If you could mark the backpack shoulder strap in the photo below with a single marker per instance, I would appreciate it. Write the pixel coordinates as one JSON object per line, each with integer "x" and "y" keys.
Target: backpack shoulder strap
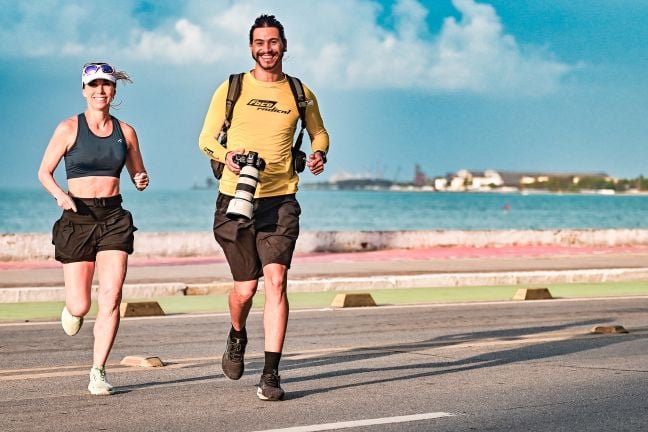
{"x": 233, "y": 93}
{"x": 297, "y": 89}
{"x": 300, "y": 98}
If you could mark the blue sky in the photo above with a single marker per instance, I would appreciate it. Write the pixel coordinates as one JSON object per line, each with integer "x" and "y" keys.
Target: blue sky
{"x": 537, "y": 85}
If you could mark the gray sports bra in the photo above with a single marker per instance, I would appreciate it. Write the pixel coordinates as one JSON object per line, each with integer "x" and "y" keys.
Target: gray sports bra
{"x": 92, "y": 155}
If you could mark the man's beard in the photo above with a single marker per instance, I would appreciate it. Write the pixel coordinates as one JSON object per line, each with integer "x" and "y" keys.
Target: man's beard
{"x": 257, "y": 59}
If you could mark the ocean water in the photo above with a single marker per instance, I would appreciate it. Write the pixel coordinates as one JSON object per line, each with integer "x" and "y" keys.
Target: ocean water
{"x": 330, "y": 210}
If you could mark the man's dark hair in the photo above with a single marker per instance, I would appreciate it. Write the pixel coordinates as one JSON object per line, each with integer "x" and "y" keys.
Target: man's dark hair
{"x": 268, "y": 21}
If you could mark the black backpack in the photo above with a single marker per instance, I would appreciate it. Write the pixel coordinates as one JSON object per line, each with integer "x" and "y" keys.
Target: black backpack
{"x": 233, "y": 93}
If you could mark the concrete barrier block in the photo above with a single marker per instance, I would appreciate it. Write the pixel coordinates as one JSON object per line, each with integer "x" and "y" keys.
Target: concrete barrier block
{"x": 611, "y": 329}
{"x": 140, "y": 361}
{"x": 353, "y": 300}
{"x": 139, "y": 309}
{"x": 532, "y": 294}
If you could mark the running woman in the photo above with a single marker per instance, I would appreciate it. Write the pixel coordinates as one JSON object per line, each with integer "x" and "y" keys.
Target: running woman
{"x": 94, "y": 231}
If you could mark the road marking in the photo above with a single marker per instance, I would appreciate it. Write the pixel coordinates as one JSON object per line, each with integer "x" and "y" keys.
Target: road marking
{"x": 361, "y": 423}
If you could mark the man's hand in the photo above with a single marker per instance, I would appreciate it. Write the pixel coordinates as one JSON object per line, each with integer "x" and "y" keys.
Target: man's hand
{"x": 315, "y": 163}
{"x": 229, "y": 160}
{"x": 141, "y": 180}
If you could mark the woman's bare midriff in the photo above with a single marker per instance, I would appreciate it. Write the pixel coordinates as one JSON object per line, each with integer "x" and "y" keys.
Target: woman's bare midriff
{"x": 93, "y": 187}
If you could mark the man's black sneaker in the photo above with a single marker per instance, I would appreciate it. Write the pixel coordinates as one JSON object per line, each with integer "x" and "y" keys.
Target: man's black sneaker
{"x": 232, "y": 363}
{"x": 269, "y": 388}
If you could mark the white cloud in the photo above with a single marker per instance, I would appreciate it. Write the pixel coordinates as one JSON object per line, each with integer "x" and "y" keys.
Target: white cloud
{"x": 475, "y": 54}
{"x": 341, "y": 44}
{"x": 185, "y": 43}
{"x": 472, "y": 54}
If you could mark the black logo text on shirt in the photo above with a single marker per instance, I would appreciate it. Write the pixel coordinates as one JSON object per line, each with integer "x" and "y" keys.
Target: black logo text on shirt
{"x": 266, "y": 105}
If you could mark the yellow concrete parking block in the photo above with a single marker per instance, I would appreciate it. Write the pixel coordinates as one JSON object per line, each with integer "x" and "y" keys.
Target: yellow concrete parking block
{"x": 353, "y": 300}
{"x": 532, "y": 294}
{"x": 139, "y": 309}
{"x": 608, "y": 329}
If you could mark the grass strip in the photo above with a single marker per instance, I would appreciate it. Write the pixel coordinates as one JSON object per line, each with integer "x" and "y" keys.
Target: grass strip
{"x": 218, "y": 303}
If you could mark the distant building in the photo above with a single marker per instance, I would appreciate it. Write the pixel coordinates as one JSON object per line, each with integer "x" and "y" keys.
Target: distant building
{"x": 464, "y": 180}
{"x": 420, "y": 179}
{"x": 521, "y": 179}
{"x": 477, "y": 181}
{"x": 440, "y": 183}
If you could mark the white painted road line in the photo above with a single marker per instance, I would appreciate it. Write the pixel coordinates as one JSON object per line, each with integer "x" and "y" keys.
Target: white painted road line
{"x": 360, "y": 423}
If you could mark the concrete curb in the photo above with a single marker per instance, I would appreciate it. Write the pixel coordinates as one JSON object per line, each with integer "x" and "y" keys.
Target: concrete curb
{"x": 469, "y": 279}
{"x": 38, "y": 246}
{"x": 42, "y": 294}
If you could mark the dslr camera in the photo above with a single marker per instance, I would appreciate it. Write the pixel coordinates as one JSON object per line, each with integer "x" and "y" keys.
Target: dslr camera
{"x": 242, "y": 205}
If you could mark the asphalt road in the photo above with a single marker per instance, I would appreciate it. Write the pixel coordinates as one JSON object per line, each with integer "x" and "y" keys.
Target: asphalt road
{"x": 511, "y": 366}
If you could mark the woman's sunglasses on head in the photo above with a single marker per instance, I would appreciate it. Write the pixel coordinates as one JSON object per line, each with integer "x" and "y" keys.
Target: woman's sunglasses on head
{"x": 93, "y": 68}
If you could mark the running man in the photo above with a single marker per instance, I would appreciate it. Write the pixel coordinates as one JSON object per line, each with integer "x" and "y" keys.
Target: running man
{"x": 264, "y": 121}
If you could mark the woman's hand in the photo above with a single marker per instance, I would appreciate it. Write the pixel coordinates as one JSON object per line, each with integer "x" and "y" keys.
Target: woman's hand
{"x": 141, "y": 180}
{"x": 65, "y": 202}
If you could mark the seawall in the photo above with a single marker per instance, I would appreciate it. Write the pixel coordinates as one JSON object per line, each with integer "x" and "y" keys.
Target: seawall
{"x": 38, "y": 247}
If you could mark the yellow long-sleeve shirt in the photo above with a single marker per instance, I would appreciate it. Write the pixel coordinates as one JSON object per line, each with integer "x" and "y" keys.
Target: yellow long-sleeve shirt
{"x": 264, "y": 121}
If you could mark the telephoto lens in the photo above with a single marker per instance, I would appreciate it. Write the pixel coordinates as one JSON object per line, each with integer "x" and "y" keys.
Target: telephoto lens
{"x": 242, "y": 205}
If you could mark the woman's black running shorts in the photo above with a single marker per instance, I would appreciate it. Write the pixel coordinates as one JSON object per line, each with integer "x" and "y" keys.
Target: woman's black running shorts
{"x": 99, "y": 224}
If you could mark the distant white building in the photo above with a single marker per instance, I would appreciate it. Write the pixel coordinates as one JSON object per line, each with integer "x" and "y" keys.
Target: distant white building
{"x": 486, "y": 180}
{"x": 440, "y": 183}
{"x": 464, "y": 180}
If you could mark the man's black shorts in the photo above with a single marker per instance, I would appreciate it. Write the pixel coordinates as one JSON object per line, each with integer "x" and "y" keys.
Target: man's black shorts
{"x": 268, "y": 238}
{"x": 99, "y": 224}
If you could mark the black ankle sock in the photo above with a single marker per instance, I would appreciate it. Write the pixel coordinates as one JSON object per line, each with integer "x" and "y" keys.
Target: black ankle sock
{"x": 272, "y": 362}
{"x": 241, "y": 334}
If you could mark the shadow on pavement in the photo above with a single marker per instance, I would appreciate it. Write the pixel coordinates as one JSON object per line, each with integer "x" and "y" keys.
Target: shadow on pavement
{"x": 526, "y": 353}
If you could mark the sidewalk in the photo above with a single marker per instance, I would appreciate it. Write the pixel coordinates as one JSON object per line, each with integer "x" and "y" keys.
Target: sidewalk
{"x": 396, "y": 268}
